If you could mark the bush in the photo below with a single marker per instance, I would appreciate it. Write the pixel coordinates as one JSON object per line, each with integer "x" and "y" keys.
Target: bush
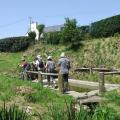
{"x": 14, "y": 44}
{"x": 52, "y": 37}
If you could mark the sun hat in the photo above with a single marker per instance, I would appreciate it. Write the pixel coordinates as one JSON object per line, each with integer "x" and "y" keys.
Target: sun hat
{"x": 62, "y": 54}
{"x": 49, "y": 57}
{"x": 39, "y": 57}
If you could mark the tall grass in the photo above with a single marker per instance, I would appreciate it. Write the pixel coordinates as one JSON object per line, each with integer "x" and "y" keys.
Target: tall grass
{"x": 55, "y": 112}
{"x": 113, "y": 96}
{"x": 13, "y": 113}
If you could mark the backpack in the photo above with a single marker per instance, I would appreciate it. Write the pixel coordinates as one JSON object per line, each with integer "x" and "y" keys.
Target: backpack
{"x": 41, "y": 64}
{"x": 28, "y": 66}
{"x": 51, "y": 66}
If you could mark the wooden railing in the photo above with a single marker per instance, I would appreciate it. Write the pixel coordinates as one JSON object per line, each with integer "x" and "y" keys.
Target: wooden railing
{"x": 91, "y": 69}
{"x": 40, "y": 78}
{"x": 102, "y": 80}
{"x": 102, "y": 74}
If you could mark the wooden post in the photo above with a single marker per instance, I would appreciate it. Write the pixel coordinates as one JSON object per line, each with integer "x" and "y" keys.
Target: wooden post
{"x": 101, "y": 83}
{"x": 90, "y": 70}
{"x": 40, "y": 80}
{"x": 60, "y": 83}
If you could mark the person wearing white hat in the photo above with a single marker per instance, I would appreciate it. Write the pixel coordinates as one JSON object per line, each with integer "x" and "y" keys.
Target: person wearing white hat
{"x": 50, "y": 67}
{"x": 39, "y": 63}
{"x": 64, "y": 65}
{"x": 39, "y": 57}
{"x": 49, "y": 57}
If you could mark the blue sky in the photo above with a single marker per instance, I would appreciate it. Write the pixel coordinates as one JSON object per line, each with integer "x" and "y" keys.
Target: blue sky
{"x": 14, "y": 20}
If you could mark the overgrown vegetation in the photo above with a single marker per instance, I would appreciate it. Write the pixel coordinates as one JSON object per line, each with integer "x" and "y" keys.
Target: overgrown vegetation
{"x": 13, "y": 113}
{"x": 69, "y": 113}
{"x": 51, "y": 38}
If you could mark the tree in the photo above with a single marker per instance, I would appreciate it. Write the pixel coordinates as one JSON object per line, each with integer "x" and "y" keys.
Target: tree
{"x": 32, "y": 36}
{"x": 70, "y": 33}
{"x": 52, "y": 37}
{"x": 40, "y": 29}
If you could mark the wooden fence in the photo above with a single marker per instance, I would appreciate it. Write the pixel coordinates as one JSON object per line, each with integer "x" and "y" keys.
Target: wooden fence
{"x": 91, "y": 69}
{"x": 40, "y": 75}
{"x": 102, "y": 72}
{"x": 40, "y": 79}
{"x": 102, "y": 79}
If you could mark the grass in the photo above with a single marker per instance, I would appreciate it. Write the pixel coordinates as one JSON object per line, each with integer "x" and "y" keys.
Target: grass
{"x": 69, "y": 113}
{"x": 9, "y": 62}
{"x": 13, "y": 113}
{"x": 113, "y": 96}
{"x": 9, "y": 87}
{"x": 25, "y": 93}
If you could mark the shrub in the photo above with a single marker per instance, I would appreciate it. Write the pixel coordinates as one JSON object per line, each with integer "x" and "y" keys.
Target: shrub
{"x": 52, "y": 37}
{"x": 14, "y": 44}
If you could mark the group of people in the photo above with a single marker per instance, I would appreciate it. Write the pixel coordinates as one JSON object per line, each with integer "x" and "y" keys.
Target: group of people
{"x": 38, "y": 64}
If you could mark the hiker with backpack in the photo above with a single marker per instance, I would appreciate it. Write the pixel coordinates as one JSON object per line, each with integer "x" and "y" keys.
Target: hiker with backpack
{"x": 39, "y": 63}
{"x": 50, "y": 68}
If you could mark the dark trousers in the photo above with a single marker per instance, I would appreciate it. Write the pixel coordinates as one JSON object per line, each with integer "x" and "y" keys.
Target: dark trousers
{"x": 50, "y": 77}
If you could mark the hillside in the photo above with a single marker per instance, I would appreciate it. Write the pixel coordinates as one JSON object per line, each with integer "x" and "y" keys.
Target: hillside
{"x": 92, "y": 53}
{"x": 104, "y": 52}
{"x": 95, "y": 52}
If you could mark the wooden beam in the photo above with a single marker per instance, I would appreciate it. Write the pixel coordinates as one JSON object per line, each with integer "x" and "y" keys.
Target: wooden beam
{"x": 102, "y": 69}
{"x": 94, "y": 69}
{"x": 36, "y": 72}
{"x": 111, "y": 73}
{"x": 53, "y": 74}
{"x": 82, "y": 69}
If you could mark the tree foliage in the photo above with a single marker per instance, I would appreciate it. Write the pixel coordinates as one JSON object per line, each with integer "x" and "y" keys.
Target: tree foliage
{"x": 14, "y": 44}
{"x": 40, "y": 29}
{"x": 84, "y": 32}
{"x": 106, "y": 27}
{"x": 52, "y": 37}
{"x": 70, "y": 34}
{"x": 32, "y": 36}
